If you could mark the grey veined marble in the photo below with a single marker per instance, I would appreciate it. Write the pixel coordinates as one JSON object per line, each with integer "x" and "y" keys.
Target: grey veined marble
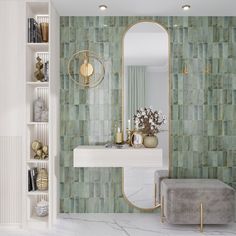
{"x": 120, "y": 225}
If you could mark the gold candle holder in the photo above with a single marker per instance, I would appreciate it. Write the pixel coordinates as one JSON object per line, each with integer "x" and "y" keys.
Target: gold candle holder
{"x": 128, "y": 140}
{"x": 119, "y": 136}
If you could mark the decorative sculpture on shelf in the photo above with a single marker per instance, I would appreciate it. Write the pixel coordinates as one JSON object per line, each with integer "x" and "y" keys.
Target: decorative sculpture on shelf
{"x": 38, "y": 73}
{"x": 40, "y": 150}
{"x": 41, "y": 208}
{"x": 40, "y": 111}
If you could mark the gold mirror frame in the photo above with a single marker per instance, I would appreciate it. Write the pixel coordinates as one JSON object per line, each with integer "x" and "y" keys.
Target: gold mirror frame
{"x": 169, "y": 117}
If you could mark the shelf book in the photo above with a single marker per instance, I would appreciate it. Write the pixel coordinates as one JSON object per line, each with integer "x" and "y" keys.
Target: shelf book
{"x": 38, "y": 31}
{"x": 32, "y": 177}
{"x": 34, "y": 31}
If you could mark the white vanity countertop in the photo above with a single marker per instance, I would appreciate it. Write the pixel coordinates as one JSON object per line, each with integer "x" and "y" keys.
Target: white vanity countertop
{"x": 100, "y": 156}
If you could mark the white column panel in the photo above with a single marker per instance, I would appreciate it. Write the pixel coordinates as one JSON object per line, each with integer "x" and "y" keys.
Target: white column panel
{"x": 54, "y": 106}
{"x": 11, "y": 109}
{"x": 11, "y": 67}
{"x": 10, "y": 180}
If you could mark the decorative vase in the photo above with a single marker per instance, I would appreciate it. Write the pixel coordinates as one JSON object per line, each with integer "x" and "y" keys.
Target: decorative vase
{"x": 42, "y": 180}
{"x": 42, "y": 208}
{"x": 150, "y": 141}
{"x": 44, "y": 116}
{"x": 39, "y": 106}
{"x": 44, "y": 31}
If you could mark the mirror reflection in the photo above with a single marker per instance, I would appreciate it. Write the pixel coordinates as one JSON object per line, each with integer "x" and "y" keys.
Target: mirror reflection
{"x": 146, "y": 83}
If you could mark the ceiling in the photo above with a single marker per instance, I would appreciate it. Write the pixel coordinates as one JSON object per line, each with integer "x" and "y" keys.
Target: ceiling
{"x": 146, "y": 8}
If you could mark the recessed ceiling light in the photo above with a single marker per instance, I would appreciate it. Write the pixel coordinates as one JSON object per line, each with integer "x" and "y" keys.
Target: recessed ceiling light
{"x": 102, "y": 7}
{"x": 186, "y": 7}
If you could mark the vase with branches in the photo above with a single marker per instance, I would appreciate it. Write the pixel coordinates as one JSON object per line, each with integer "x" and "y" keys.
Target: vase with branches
{"x": 149, "y": 121}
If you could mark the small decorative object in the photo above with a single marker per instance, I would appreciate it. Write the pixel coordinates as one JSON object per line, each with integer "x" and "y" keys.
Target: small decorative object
{"x": 36, "y": 145}
{"x": 45, "y": 149}
{"x": 119, "y": 136}
{"x": 120, "y": 146}
{"x": 42, "y": 208}
{"x": 128, "y": 139}
{"x": 44, "y": 116}
{"x": 46, "y": 71}
{"x": 149, "y": 122}
{"x": 137, "y": 139}
{"x": 40, "y": 150}
{"x": 40, "y": 111}
{"x": 44, "y": 31}
{"x": 42, "y": 180}
{"x": 38, "y": 73}
{"x": 128, "y": 133}
{"x": 39, "y": 153}
{"x": 86, "y": 69}
{"x": 150, "y": 141}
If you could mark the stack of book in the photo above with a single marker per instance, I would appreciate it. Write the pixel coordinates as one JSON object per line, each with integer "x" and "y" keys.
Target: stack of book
{"x": 32, "y": 176}
{"x": 34, "y": 32}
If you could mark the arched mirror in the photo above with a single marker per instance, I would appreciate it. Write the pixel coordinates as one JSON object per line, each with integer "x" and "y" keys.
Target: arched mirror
{"x": 145, "y": 84}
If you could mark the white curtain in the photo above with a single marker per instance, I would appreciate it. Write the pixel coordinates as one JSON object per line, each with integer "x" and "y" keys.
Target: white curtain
{"x": 136, "y": 88}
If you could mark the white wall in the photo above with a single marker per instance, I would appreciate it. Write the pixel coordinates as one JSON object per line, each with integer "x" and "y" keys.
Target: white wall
{"x": 11, "y": 109}
{"x": 11, "y": 67}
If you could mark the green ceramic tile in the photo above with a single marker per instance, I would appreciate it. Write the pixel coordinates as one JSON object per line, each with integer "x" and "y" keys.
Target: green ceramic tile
{"x": 203, "y": 105}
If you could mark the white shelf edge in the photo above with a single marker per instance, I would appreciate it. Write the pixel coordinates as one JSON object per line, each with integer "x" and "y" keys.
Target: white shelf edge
{"x": 37, "y": 161}
{"x": 37, "y": 123}
{"x": 39, "y": 47}
{"x": 39, "y": 84}
{"x": 36, "y": 193}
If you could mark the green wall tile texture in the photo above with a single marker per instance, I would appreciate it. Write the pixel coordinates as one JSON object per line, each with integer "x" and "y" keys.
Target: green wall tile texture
{"x": 203, "y": 105}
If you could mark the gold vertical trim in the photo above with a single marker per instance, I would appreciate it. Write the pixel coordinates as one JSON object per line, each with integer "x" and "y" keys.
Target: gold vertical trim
{"x": 162, "y": 209}
{"x": 155, "y": 194}
{"x": 169, "y": 98}
{"x": 201, "y": 217}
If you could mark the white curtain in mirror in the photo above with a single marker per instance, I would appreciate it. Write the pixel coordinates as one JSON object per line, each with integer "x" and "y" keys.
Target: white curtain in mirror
{"x": 136, "y": 76}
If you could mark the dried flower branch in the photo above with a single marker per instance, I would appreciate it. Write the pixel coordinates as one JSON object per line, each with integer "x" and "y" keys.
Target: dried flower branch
{"x": 149, "y": 121}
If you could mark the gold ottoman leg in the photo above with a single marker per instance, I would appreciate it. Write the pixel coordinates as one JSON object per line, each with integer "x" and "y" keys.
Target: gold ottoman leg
{"x": 162, "y": 209}
{"x": 155, "y": 195}
{"x": 201, "y": 218}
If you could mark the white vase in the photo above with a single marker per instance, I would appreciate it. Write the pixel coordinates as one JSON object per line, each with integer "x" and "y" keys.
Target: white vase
{"x": 150, "y": 141}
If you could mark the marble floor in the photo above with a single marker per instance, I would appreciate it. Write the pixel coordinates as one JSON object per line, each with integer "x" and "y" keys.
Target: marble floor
{"x": 119, "y": 225}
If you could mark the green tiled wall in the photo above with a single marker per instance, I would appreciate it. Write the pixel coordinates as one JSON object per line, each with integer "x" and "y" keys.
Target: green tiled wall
{"x": 203, "y": 106}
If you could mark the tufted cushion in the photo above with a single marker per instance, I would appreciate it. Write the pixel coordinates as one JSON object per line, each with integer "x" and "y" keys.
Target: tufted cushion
{"x": 182, "y": 199}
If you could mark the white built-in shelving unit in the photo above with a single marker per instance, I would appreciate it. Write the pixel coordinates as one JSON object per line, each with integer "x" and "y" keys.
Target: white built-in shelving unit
{"x": 46, "y": 132}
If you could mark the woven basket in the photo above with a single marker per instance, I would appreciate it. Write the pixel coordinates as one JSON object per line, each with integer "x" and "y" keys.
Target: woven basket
{"x": 42, "y": 180}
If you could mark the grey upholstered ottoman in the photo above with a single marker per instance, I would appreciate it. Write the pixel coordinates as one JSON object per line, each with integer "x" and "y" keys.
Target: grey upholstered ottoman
{"x": 197, "y": 201}
{"x": 159, "y": 176}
